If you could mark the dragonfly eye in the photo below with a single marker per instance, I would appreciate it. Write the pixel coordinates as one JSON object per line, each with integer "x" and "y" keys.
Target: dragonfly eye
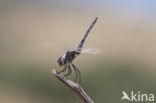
{"x": 60, "y": 61}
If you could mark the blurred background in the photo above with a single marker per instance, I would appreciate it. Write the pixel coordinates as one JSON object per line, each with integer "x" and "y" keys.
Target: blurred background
{"x": 125, "y": 32}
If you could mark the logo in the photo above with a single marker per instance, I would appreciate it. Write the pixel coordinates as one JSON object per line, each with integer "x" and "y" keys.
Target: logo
{"x": 137, "y": 96}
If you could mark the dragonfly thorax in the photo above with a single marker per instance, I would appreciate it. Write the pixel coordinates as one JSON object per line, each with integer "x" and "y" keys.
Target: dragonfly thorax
{"x": 67, "y": 58}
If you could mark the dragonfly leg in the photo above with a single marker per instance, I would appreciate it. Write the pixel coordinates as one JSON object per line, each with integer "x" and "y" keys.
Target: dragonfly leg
{"x": 64, "y": 69}
{"x": 76, "y": 72}
{"x": 76, "y": 69}
{"x": 69, "y": 71}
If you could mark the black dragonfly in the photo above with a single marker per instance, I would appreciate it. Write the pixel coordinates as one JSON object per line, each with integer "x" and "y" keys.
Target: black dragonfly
{"x": 66, "y": 60}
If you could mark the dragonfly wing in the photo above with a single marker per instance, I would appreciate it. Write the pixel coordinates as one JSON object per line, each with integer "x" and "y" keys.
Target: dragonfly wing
{"x": 91, "y": 50}
{"x": 60, "y": 47}
{"x": 68, "y": 48}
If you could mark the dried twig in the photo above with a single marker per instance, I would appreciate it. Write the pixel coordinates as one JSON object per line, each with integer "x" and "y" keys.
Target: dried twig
{"x": 78, "y": 91}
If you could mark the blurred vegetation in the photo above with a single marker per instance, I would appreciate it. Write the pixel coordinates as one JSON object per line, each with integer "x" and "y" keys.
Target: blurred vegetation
{"x": 105, "y": 83}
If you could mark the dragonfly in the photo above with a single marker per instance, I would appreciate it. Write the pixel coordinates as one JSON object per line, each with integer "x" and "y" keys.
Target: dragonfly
{"x": 66, "y": 61}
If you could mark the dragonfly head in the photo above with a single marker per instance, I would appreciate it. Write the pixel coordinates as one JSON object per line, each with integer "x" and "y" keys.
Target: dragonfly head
{"x": 60, "y": 61}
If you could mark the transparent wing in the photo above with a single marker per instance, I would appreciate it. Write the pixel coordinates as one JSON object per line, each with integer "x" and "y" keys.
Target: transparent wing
{"x": 91, "y": 50}
{"x": 69, "y": 48}
{"x": 60, "y": 47}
